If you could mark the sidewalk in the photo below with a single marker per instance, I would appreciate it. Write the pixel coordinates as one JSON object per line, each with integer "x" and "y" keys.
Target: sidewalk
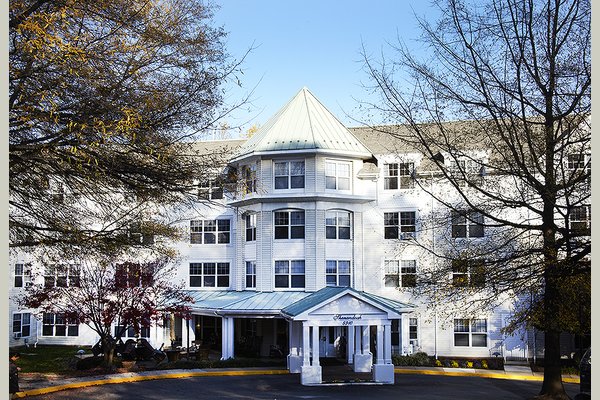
{"x": 36, "y": 384}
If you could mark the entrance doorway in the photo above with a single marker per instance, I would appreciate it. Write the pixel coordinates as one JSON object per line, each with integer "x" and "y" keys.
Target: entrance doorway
{"x": 332, "y": 342}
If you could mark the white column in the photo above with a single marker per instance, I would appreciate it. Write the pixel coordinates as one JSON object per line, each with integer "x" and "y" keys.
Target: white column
{"x": 357, "y": 340}
{"x": 306, "y": 343}
{"x": 315, "y": 346}
{"x": 380, "y": 355}
{"x": 387, "y": 344}
{"x": 226, "y": 338}
{"x": 231, "y": 337}
{"x": 366, "y": 339}
{"x": 350, "y": 344}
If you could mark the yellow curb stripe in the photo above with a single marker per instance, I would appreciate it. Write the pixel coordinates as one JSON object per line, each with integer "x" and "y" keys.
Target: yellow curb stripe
{"x": 491, "y": 375}
{"x": 139, "y": 378}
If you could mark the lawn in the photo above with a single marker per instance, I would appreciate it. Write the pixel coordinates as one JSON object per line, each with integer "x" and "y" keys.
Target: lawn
{"x": 49, "y": 359}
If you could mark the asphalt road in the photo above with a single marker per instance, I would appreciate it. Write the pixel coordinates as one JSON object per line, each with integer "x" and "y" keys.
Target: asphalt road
{"x": 271, "y": 387}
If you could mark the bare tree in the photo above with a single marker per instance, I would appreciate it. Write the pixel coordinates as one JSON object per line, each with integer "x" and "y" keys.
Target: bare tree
{"x": 518, "y": 74}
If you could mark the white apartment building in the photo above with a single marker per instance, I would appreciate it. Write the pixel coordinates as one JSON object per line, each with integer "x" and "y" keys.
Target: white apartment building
{"x": 313, "y": 257}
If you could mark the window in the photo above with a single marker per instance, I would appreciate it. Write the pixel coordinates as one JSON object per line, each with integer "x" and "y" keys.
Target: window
{"x": 337, "y": 273}
{"x": 128, "y": 333}
{"x": 337, "y": 225}
{"x": 21, "y": 325}
{"x": 210, "y": 189}
{"x": 289, "y": 224}
{"x": 337, "y": 175}
{"x": 413, "y": 333}
{"x": 401, "y": 273}
{"x": 580, "y": 220}
{"x": 398, "y": 176}
{"x": 131, "y": 274}
{"x": 140, "y": 233}
{"x": 250, "y": 227}
{"x": 22, "y": 275}
{"x": 400, "y": 225}
{"x": 467, "y": 224}
{"x": 249, "y": 173}
{"x": 468, "y": 273}
{"x": 210, "y": 274}
{"x": 289, "y": 274}
{"x": 210, "y": 231}
{"x": 289, "y": 175}
{"x": 59, "y": 325}
{"x": 61, "y": 275}
{"x": 250, "y": 274}
{"x": 470, "y": 332}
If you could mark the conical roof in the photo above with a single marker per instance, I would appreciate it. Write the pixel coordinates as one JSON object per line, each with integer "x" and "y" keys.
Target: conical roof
{"x": 303, "y": 125}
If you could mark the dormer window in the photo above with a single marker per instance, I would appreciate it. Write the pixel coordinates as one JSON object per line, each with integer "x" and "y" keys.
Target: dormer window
{"x": 289, "y": 174}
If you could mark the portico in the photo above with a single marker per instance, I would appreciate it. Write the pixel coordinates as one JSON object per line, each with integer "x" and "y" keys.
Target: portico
{"x": 352, "y": 314}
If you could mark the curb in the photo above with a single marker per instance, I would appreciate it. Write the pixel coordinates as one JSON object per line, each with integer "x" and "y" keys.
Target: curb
{"x": 178, "y": 375}
{"x": 139, "y": 378}
{"x": 490, "y": 375}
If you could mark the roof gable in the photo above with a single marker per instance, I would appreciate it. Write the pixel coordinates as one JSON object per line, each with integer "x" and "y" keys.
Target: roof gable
{"x": 303, "y": 124}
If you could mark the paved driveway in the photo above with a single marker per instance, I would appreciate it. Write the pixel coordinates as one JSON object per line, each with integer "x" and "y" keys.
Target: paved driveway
{"x": 271, "y": 387}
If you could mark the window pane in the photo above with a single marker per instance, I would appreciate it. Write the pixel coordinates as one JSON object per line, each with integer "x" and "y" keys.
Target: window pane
{"x": 60, "y": 330}
{"x": 344, "y": 267}
{"x": 223, "y": 237}
{"x": 281, "y": 232}
{"x": 282, "y": 267}
{"x": 343, "y": 218}
{"x": 476, "y": 231}
{"x": 195, "y": 281}
{"x": 479, "y": 325}
{"x": 224, "y": 225}
{"x": 281, "y": 168}
{"x": 392, "y": 281}
{"x": 344, "y": 233}
{"x": 209, "y": 238}
{"x": 330, "y": 232}
{"x": 297, "y": 232}
{"x": 250, "y": 267}
{"x": 297, "y": 217}
{"x": 330, "y": 267}
{"x": 330, "y": 182}
{"x": 209, "y": 281}
{"x": 298, "y": 267}
{"x": 461, "y": 325}
{"x": 209, "y": 268}
{"x": 281, "y": 281}
{"x": 344, "y": 280}
{"x": 459, "y": 231}
{"x": 391, "y": 233}
{"x": 297, "y": 182}
{"x": 343, "y": 184}
{"x": 461, "y": 339}
{"x": 223, "y": 281}
{"x": 297, "y": 281}
{"x": 330, "y": 280}
{"x": 282, "y": 218}
{"x": 479, "y": 340}
{"x": 281, "y": 182}
{"x": 297, "y": 168}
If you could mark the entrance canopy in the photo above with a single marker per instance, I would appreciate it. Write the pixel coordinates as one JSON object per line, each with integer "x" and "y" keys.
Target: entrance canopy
{"x": 343, "y": 306}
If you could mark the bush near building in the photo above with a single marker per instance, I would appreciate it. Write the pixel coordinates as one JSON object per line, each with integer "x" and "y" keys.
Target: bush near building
{"x": 423, "y": 360}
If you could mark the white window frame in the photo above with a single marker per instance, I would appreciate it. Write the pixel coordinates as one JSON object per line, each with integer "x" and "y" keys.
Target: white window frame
{"x": 472, "y": 277}
{"x": 580, "y": 220}
{"x": 250, "y": 282}
{"x": 289, "y": 174}
{"x": 210, "y": 274}
{"x": 293, "y": 270}
{"x": 21, "y": 325}
{"x": 336, "y": 271}
{"x": 58, "y": 320}
{"x": 474, "y": 330}
{"x": 249, "y": 175}
{"x": 202, "y": 229}
{"x": 396, "y": 273}
{"x": 338, "y": 175}
{"x": 413, "y": 331}
{"x": 395, "y": 225}
{"x": 295, "y": 227}
{"x": 210, "y": 189}
{"x": 62, "y": 275}
{"x": 335, "y": 226}
{"x": 250, "y": 221}
{"x": 468, "y": 220}
{"x": 398, "y": 175}
{"x": 22, "y": 275}
{"x": 129, "y": 333}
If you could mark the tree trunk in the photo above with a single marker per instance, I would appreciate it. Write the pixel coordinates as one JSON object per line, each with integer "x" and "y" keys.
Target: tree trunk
{"x": 552, "y": 387}
{"x": 108, "y": 348}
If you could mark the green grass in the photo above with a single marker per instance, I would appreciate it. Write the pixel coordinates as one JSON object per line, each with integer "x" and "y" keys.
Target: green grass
{"x": 48, "y": 359}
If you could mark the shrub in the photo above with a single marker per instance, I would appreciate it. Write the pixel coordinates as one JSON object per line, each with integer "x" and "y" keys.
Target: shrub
{"x": 438, "y": 363}
{"x": 484, "y": 364}
{"x": 469, "y": 364}
{"x": 414, "y": 360}
{"x": 454, "y": 364}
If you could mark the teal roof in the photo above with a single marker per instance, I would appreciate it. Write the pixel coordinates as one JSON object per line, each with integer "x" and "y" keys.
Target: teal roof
{"x": 303, "y": 124}
{"x": 329, "y": 292}
{"x": 231, "y": 302}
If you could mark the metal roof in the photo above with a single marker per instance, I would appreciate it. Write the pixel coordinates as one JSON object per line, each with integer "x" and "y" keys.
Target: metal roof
{"x": 231, "y": 302}
{"x": 329, "y": 292}
{"x": 303, "y": 124}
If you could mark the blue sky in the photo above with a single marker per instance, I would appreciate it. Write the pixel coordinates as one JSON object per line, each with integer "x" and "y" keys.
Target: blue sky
{"x": 312, "y": 43}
